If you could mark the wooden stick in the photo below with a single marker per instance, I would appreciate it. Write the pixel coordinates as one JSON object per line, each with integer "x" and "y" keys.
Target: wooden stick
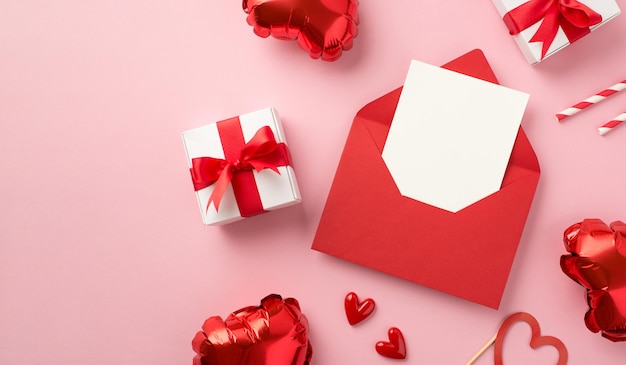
{"x": 482, "y": 350}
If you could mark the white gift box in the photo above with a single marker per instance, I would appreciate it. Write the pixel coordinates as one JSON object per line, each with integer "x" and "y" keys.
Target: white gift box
{"x": 608, "y": 9}
{"x": 275, "y": 190}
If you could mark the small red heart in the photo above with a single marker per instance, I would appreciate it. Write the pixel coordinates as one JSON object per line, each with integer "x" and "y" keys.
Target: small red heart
{"x": 395, "y": 348}
{"x": 357, "y": 311}
{"x": 536, "y": 340}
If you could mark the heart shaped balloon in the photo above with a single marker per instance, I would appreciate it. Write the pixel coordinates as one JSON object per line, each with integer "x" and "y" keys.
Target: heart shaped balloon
{"x": 597, "y": 261}
{"x": 323, "y": 28}
{"x": 274, "y": 333}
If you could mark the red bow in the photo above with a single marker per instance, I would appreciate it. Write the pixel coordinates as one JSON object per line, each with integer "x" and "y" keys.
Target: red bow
{"x": 573, "y": 17}
{"x": 261, "y": 152}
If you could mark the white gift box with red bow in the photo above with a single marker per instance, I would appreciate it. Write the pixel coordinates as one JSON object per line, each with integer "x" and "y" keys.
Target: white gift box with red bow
{"x": 265, "y": 190}
{"x": 570, "y": 20}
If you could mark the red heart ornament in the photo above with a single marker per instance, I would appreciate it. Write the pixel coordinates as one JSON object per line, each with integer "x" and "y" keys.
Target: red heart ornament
{"x": 536, "y": 340}
{"x": 357, "y": 311}
{"x": 395, "y": 348}
{"x": 323, "y": 28}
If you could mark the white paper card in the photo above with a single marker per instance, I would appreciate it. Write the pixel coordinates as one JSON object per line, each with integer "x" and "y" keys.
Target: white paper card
{"x": 451, "y": 136}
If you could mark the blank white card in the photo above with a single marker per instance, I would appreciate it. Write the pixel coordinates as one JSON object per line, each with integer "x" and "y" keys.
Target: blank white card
{"x": 451, "y": 136}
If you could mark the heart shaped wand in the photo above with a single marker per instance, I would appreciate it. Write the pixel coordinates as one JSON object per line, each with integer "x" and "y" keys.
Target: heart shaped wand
{"x": 536, "y": 340}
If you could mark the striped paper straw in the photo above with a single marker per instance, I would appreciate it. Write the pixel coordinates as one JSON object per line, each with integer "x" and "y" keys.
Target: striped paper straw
{"x": 606, "y": 128}
{"x": 591, "y": 100}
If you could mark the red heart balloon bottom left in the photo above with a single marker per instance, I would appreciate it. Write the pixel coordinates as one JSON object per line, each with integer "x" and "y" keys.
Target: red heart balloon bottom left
{"x": 395, "y": 348}
{"x": 323, "y": 28}
{"x": 274, "y": 333}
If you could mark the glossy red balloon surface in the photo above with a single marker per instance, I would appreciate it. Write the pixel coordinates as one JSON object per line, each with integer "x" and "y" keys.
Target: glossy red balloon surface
{"x": 274, "y": 333}
{"x": 323, "y": 28}
{"x": 597, "y": 261}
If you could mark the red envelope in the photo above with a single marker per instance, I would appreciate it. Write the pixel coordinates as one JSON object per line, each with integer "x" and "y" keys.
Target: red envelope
{"x": 467, "y": 254}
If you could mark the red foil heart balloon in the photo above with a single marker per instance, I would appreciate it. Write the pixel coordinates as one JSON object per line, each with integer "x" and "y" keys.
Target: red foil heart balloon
{"x": 274, "y": 333}
{"x": 536, "y": 340}
{"x": 357, "y": 311}
{"x": 395, "y": 348}
{"x": 323, "y": 28}
{"x": 597, "y": 261}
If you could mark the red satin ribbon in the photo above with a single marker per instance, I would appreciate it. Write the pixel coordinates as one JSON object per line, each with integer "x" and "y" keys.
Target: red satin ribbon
{"x": 573, "y": 17}
{"x": 261, "y": 152}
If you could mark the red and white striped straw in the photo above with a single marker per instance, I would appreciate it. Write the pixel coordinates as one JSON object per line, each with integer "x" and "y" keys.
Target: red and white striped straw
{"x": 609, "y": 126}
{"x": 591, "y": 100}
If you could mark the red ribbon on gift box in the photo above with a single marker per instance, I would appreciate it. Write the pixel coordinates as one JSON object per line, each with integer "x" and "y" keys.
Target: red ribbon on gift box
{"x": 261, "y": 152}
{"x": 573, "y": 17}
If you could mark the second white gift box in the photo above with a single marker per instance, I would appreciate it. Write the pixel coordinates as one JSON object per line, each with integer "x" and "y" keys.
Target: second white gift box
{"x": 543, "y": 27}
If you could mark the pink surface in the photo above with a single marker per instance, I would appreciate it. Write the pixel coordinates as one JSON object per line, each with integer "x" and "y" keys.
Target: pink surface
{"x": 103, "y": 257}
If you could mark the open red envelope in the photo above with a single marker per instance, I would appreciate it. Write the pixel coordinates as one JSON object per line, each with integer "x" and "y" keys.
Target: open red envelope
{"x": 467, "y": 254}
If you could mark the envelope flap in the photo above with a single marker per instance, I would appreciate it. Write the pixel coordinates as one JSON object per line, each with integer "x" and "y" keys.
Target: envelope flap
{"x": 378, "y": 114}
{"x": 523, "y": 155}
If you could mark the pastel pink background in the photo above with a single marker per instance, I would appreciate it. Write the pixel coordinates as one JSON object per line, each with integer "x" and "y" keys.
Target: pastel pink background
{"x": 103, "y": 257}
